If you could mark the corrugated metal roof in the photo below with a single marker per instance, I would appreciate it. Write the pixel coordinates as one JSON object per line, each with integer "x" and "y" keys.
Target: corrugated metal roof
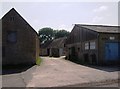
{"x": 101, "y": 28}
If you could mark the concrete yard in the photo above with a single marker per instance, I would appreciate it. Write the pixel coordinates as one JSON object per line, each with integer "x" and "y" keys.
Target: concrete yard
{"x": 57, "y": 72}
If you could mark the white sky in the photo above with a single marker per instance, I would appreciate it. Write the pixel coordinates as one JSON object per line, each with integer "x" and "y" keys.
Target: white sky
{"x": 62, "y": 15}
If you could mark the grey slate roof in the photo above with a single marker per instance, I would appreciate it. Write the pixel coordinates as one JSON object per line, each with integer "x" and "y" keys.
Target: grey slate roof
{"x": 57, "y": 43}
{"x": 101, "y": 28}
{"x": 45, "y": 45}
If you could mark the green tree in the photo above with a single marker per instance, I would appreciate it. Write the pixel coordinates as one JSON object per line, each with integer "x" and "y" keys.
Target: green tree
{"x": 46, "y": 34}
{"x": 61, "y": 33}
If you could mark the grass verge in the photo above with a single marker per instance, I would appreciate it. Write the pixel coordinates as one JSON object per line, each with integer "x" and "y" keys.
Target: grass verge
{"x": 38, "y": 61}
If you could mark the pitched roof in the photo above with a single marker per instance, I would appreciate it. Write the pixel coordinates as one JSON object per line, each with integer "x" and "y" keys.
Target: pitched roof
{"x": 57, "y": 43}
{"x": 46, "y": 44}
{"x": 101, "y": 28}
{"x": 14, "y": 11}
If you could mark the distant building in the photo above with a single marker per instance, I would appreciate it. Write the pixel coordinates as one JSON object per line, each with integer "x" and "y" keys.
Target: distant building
{"x": 94, "y": 44}
{"x": 20, "y": 42}
{"x": 44, "y": 50}
{"x": 57, "y": 47}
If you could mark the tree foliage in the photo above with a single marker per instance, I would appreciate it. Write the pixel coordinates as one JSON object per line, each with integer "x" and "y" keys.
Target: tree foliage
{"x": 47, "y": 34}
{"x": 61, "y": 33}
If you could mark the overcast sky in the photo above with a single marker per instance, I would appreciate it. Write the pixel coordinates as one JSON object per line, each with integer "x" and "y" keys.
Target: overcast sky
{"x": 62, "y": 15}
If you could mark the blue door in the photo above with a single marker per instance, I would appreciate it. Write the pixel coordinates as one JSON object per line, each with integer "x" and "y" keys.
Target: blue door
{"x": 112, "y": 51}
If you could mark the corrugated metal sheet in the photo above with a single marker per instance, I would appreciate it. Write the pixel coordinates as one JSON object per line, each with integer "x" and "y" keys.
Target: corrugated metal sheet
{"x": 101, "y": 28}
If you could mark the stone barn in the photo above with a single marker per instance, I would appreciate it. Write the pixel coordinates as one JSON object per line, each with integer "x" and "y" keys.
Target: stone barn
{"x": 94, "y": 44}
{"x": 57, "y": 47}
{"x": 20, "y": 42}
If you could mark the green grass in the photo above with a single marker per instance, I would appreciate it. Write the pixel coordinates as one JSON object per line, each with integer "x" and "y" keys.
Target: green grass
{"x": 38, "y": 61}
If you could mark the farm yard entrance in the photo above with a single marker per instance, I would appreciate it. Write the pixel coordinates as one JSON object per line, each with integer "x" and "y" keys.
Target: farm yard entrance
{"x": 55, "y": 72}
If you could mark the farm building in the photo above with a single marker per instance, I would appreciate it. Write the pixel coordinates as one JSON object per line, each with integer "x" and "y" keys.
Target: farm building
{"x": 94, "y": 44}
{"x": 20, "y": 42}
{"x": 57, "y": 47}
{"x": 44, "y": 50}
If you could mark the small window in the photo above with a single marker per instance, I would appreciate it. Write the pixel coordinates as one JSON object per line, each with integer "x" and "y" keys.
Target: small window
{"x": 112, "y": 38}
{"x": 92, "y": 45}
{"x": 86, "y": 46}
{"x": 12, "y": 37}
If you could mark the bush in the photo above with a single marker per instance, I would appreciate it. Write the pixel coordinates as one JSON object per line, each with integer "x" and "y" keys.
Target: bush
{"x": 38, "y": 61}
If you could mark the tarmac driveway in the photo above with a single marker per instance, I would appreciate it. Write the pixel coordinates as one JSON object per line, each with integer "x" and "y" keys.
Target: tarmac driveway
{"x": 59, "y": 72}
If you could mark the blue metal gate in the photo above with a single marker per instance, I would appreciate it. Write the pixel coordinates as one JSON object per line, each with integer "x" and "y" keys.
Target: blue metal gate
{"x": 112, "y": 51}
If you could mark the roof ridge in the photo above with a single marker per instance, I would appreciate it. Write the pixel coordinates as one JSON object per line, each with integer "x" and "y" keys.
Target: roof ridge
{"x": 13, "y": 9}
{"x": 95, "y": 25}
{"x": 100, "y": 28}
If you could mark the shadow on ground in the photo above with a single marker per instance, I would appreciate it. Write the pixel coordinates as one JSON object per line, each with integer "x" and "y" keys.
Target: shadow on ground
{"x": 107, "y": 68}
{"x": 11, "y": 69}
{"x": 112, "y": 68}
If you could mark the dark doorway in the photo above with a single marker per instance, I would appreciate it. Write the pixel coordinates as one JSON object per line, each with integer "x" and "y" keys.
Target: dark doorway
{"x": 73, "y": 51}
{"x": 3, "y": 51}
{"x": 94, "y": 59}
{"x": 73, "y": 55}
{"x": 86, "y": 58}
{"x": 48, "y": 52}
{"x": 55, "y": 52}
